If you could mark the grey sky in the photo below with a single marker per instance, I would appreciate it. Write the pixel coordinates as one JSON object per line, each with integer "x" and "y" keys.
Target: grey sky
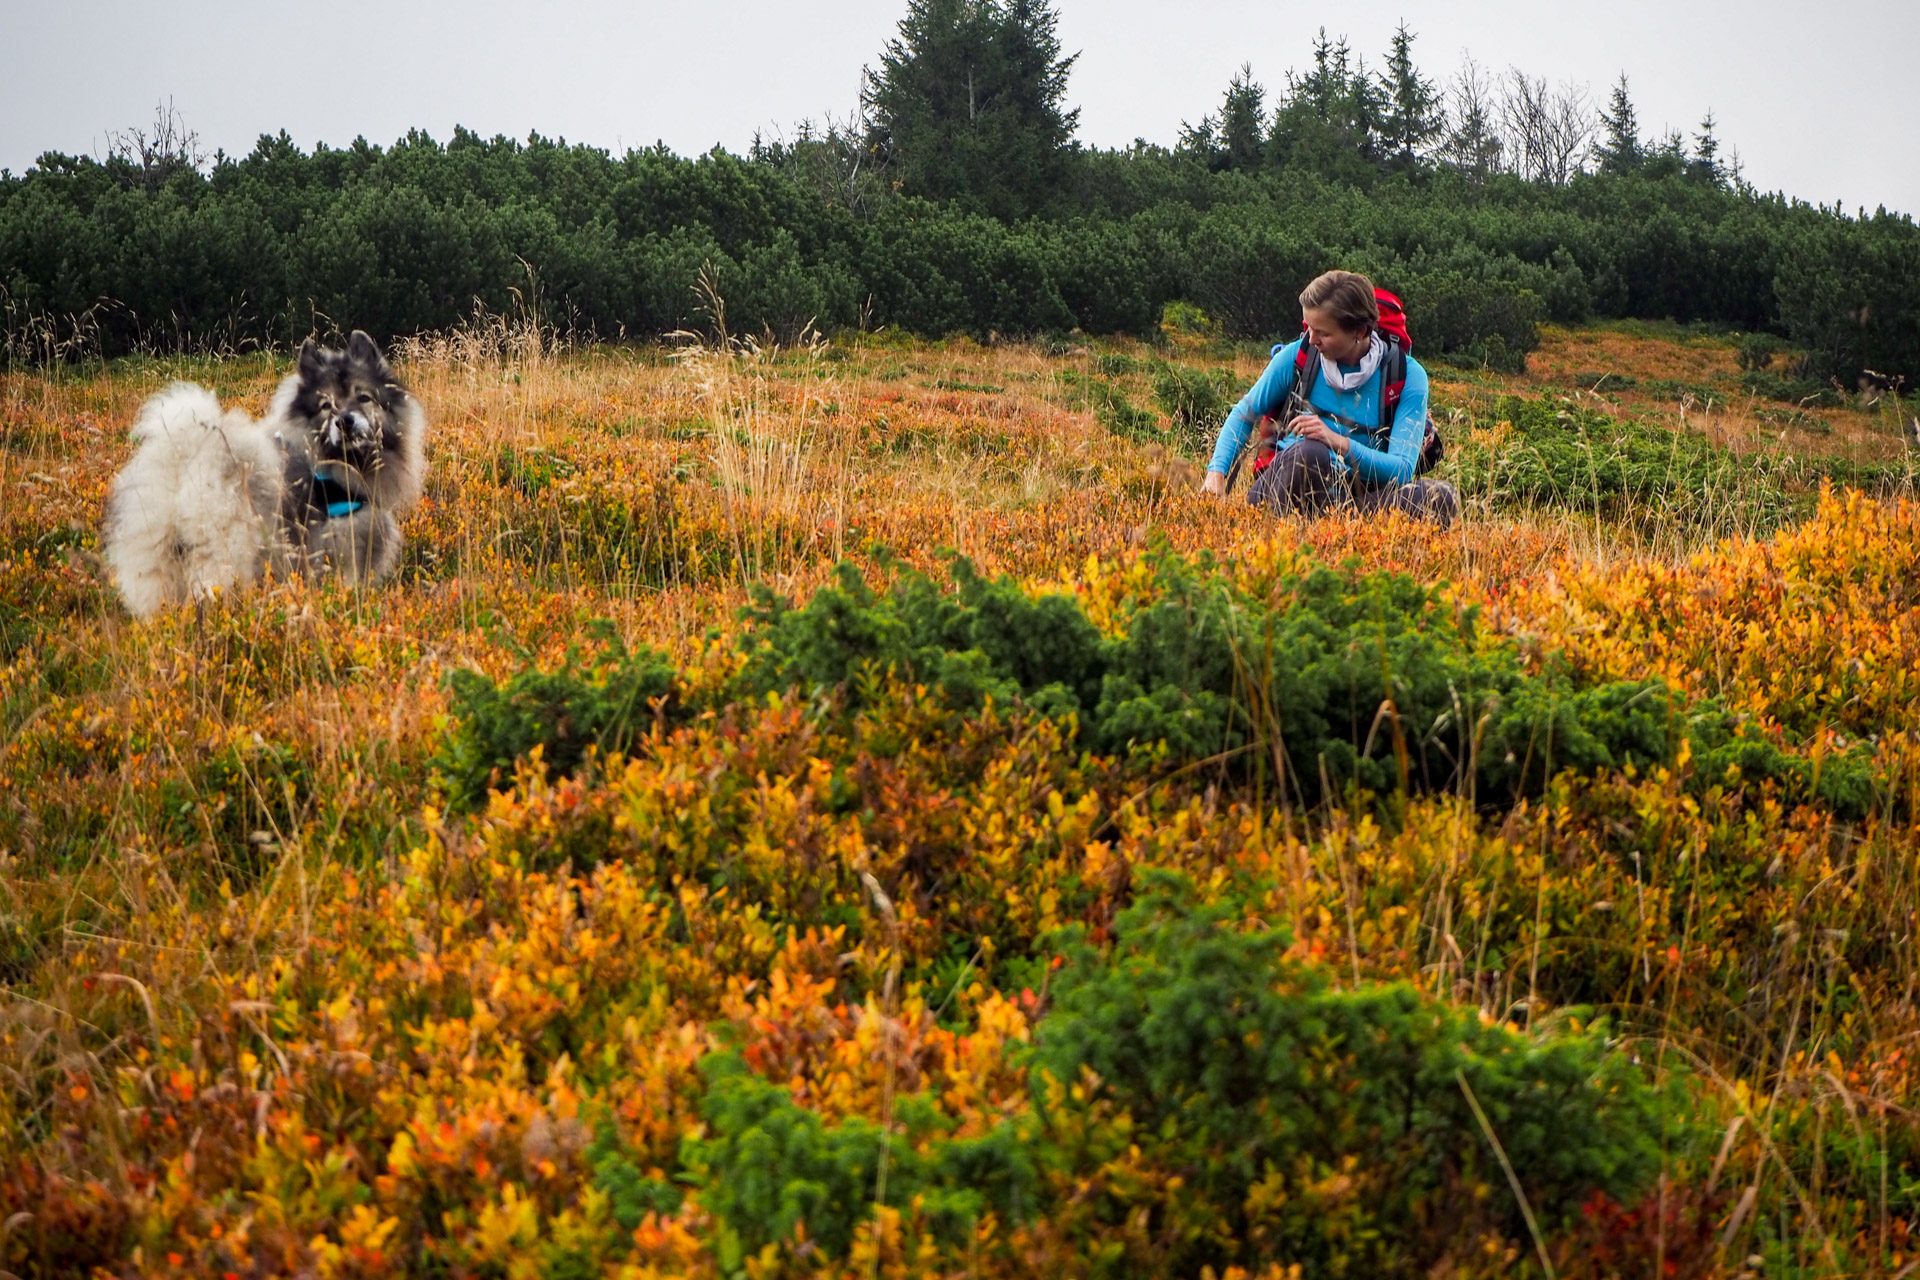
{"x": 1819, "y": 100}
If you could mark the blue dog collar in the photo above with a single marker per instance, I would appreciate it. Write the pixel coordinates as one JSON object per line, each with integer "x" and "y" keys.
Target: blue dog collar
{"x": 335, "y": 498}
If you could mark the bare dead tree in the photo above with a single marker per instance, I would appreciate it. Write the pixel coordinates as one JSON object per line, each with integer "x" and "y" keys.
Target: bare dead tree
{"x": 833, "y": 159}
{"x": 1572, "y": 125}
{"x": 843, "y": 166}
{"x": 1470, "y": 141}
{"x": 159, "y": 154}
{"x": 1523, "y": 115}
{"x": 1550, "y": 130}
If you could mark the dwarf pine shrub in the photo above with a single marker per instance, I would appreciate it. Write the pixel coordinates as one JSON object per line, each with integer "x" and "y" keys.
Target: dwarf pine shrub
{"x": 1339, "y": 678}
{"x": 631, "y": 1195}
{"x": 1321, "y": 1126}
{"x": 1119, "y": 415}
{"x": 768, "y": 1164}
{"x": 1364, "y": 679}
{"x": 607, "y": 707}
{"x": 987, "y": 639}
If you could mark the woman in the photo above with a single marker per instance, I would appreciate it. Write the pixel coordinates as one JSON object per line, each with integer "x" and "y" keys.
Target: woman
{"x": 1333, "y": 450}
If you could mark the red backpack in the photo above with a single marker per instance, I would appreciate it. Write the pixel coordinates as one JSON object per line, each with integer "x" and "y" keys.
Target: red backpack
{"x": 1392, "y": 328}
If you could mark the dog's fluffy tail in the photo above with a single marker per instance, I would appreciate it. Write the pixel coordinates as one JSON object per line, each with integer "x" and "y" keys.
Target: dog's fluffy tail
{"x": 194, "y": 510}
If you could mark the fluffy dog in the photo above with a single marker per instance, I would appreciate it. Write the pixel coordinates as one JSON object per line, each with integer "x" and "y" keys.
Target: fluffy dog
{"x": 212, "y": 498}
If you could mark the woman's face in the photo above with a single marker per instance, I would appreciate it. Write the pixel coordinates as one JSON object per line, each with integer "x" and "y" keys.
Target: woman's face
{"x": 1342, "y": 346}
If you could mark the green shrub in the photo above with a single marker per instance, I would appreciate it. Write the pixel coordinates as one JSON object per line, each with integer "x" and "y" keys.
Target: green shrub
{"x": 1180, "y": 319}
{"x": 768, "y": 1165}
{"x": 988, "y": 639}
{"x": 1755, "y": 351}
{"x": 1195, "y": 400}
{"x": 607, "y": 707}
{"x": 1343, "y": 678}
{"x": 1112, "y": 410}
{"x": 1846, "y": 296}
{"x": 1260, "y": 1083}
{"x": 1596, "y": 380}
{"x": 1202, "y": 671}
{"x": 1844, "y": 783}
{"x": 1199, "y": 669}
{"x": 1491, "y": 352}
{"x": 1470, "y": 321}
{"x": 631, "y": 1194}
{"x": 1790, "y": 388}
{"x": 1351, "y": 679}
{"x": 1245, "y": 264}
{"x": 1681, "y": 388}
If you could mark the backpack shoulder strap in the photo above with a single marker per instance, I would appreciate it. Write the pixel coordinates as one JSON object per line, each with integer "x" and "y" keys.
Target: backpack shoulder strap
{"x": 1393, "y": 379}
{"x": 1393, "y": 376}
{"x": 1305, "y": 368}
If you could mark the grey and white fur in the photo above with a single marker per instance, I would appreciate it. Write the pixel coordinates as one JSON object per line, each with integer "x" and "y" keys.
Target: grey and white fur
{"x": 212, "y": 498}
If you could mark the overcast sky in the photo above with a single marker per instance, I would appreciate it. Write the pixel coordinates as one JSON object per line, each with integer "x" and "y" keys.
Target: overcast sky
{"x": 1820, "y": 100}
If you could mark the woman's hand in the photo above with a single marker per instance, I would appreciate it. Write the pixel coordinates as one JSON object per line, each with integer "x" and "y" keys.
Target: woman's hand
{"x": 1308, "y": 427}
{"x": 1215, "y": 484}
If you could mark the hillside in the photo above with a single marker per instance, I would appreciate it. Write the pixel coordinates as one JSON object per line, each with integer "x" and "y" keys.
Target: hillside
{"x": 1175, "y": 891}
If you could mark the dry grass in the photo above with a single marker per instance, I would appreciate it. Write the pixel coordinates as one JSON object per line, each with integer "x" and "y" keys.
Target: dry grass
{"x": 1704, "y": 393}
{"x": 1677, "y": 356}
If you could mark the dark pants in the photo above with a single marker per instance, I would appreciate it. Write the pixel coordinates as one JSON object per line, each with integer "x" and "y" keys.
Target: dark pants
{"x": 1304, "y": 480}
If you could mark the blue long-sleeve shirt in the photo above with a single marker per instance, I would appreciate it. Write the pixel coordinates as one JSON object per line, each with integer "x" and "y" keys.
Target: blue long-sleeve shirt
{"x": 1379, "y": 456}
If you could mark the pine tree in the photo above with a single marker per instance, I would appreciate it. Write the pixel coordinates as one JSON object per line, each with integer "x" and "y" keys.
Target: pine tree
{"x": 1200, "y": 140}
{"x": 1621, "y": 150}
{"x": 1412, "y": 116}
{"x": 969, "y": 104}
{"x": 1666, "y": 158}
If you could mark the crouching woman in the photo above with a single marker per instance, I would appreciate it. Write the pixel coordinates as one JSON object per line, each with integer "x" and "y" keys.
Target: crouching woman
{"x": 1333, "y": 446}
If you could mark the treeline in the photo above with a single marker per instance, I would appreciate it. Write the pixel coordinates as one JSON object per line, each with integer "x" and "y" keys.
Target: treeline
{"x": 849, "y": 226}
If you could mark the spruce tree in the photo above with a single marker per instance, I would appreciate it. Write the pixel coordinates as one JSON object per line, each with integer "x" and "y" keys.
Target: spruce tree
{"x": 1323, "y": 87}
{"x": 1668, "y": 157}
{"x": 1237, "y": 137}
{"x": 1412, "y": 105}
{"x": 1620, "y": 151}
{"x": 1243, "y": 122}
{"x": 1330, "y": 121}
{"x": 969, "y": 104}
{"x": 1705, "y": 166}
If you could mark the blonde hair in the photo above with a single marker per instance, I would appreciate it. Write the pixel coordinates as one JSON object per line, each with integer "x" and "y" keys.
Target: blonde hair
{"x": 1346, "y": 297}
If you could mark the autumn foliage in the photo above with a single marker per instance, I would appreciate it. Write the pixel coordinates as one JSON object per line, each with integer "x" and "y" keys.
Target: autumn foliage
{"x": 849, "y": 812}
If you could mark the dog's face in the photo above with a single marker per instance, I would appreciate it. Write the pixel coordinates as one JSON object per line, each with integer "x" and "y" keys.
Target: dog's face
{"x": 349, "y": 403}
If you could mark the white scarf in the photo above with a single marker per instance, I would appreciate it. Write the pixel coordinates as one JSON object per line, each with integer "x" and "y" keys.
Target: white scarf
{"x": 1341, "y": 380}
